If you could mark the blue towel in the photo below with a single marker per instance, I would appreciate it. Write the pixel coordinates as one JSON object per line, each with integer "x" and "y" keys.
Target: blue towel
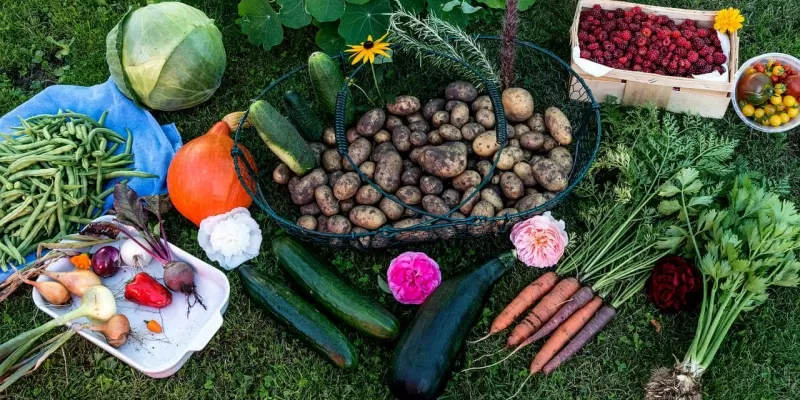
{"x": 154, "y": 145}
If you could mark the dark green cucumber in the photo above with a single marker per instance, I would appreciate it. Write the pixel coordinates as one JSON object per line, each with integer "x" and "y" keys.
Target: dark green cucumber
{"x": 327, "y": 78}
{"x": 301, "y": 316}
{"x": 302, "y": 116}
{"x": 428, "y": 347}
{"x": 332, "y": 293}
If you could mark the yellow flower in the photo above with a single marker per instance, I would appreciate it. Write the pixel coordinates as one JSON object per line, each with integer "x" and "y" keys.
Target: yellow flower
{"x": 366, "y": 51}
{"x": 728, "y": 20}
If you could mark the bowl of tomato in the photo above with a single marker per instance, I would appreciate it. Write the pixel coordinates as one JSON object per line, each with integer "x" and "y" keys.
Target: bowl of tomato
{"x": 766, "y": 94}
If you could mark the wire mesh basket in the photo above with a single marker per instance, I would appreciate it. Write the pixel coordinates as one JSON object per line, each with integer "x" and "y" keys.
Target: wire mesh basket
{"x": 538, "y": 70}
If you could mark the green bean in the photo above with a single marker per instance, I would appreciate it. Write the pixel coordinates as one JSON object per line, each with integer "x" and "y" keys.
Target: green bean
{"x": 33, "y": 172}
{"x": 77, "y": 219}
{"x": 37, "y": 210}
{"x": 51, "y": 222}
{"x": 102, "y": 119}
{"x": 59, "y": 208}
{"x": 35, "y": 152}
{"x": 13, "y": 250}
{"x": 11, "y": 194}
{"x": 111, "y": 150}
{"x": 10, "y": 253}
{"x": 98, "y": 184}
{"x": 128, "y": 141}
{"x": 17, "y": 212}
{"x": 79, "y": 153}
{"x": 6, "y": 183}
{"x": 63, "y": 149}
{"x": 25, "y": 162}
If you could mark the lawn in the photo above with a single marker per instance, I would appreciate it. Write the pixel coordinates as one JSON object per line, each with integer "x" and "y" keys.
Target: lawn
{"x": 253, "y": 356}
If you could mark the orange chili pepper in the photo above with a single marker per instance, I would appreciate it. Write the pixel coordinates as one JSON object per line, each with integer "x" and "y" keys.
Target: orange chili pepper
{"x": 81, "y": 261}
{"x": 153, "y": 326}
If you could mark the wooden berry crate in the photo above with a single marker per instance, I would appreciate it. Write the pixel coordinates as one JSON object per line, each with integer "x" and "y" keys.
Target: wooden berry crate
{"x": 676, "y": 94}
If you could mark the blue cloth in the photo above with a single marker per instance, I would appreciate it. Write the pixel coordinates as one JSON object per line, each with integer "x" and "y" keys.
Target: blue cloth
{"x": 154, "y": 145}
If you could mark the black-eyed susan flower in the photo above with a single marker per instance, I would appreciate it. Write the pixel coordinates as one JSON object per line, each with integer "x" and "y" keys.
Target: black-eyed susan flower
{"x": 728, "y": 20}
{"x": 366, "y": 51}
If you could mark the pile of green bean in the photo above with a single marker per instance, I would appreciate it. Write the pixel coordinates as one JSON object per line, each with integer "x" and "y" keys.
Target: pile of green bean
{"x": 52, "y": 173}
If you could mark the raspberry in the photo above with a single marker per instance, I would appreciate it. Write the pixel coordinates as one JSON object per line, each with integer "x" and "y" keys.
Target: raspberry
{"x": 619, "y": 13}
{"x": 662, "y": 34}
{"x": 617, "y": 40}
{"x": 609, "y": 25}
{"x": 647, "y": 32}
{"x": 715, "y": 40}
{"x": 681, "y": 52}
{"x": 689, "y": 35}
{"x": 652, "y": 18}
{"x": 591, "y": 39}
{"x": 638, "y": 18}
{"x": 583, "y": 36}
{"x": 638, "y": 60}
{"x": 664, "y": 51}
{"x": 618, "y": 53}
{"x": 616, "y": 65}
{"x": 647, "y": 64}
{"x": 602, "y": 36}
{"x": 653, "y": 55}
{"x": 641, "y": 41}
{"x": 637, "y": 67}
{"x": 708, "y": 41}
{"x": 683, "y": 42}
{"x": 626, "y": 35}
{"x": 693, "y": 57}
{"x": 586, "y": 53}
{"x": 672, "y": 47}
{"x": 635, "y": 26}
{"x": 623, "y": 60}
{"x": 703, "y": 32}
{"x": 671, "y": 25}
{"x": 700, "y": 64}
{"x": 610, "y": 15}
{"x": 660, "y": 72}
{"x": 675, "y": 34}
{"x": 623, "y": 46}
{"x": 593, "y": 46}
{"x": 628, "y": 15}
{"x": 642, "y": 51}
{"x": 720, "y": 58}
{"x": 698, "y": 43}
{"x": 709, "y": 59}
{"x": 664, "y": 62}
{"x": 719, "y": 69}
{"x": 689, "y": 22}
{"x": 706, "y": 51}
{"x": 607, "y": 55}
{"x": 682, "y": 71}
{"x": 623, "y": 26}
{"x": 585, "y": 25}
{"x": 597, "y": 11}
{"x": 608, "y": 46}
{"x": 672, "y": 71}
{"x": 598, "y": 54}
{"x": 637, "y": 10}
{"x": 707, "y": 69}
{"x": 663, "y": 19}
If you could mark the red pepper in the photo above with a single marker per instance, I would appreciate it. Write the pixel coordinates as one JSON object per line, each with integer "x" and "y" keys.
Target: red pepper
{"x": 146, "y": 291}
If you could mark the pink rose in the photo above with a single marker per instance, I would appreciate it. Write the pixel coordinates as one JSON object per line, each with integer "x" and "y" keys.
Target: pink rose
{"x": 412, "y": 276}
{"x": 540, "y": 240}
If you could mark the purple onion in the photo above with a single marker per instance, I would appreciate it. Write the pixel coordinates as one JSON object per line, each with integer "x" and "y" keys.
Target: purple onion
{"x": 105, "y": 262}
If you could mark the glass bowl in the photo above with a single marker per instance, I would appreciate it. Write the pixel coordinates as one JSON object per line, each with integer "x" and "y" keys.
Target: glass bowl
{"x": 785, "y": 59}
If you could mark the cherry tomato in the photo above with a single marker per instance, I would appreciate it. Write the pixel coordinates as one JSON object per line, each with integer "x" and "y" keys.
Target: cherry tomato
{"x": 778, "y": 70}
{"x": 793, "y": 112}
{"x": 759, "y": 113}
{"x": 748, "y": 110}
{"x": 789, "y": 101}
{"x": 785, "y": 118}
{"x": 775, "y": 100}
{"x": 769, "y": 109}
{"x": 775, "y": 120}
{"x": 780, "y": 88}
{"x": 775, "y": 79}
{"x": 792, "y": 85}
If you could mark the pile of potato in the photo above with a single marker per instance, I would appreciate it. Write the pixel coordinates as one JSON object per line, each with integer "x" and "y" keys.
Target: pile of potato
{"x": 433, "y": 157}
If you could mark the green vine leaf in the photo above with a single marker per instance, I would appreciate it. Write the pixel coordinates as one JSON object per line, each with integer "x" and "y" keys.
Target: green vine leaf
{"x": 328, "y": 38}
{"x": 293, "y": 13}
{"x": 260, "y": 23}
{"x": 412, "y": 6}
{"x": 362, "y": 20}
{"x": 325, "y": 10}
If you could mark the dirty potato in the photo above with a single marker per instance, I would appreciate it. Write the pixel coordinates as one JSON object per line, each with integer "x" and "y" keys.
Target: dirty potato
{"x": 303, "y": 191}
{"x": 431, "y": 185}
{"x": 346, "y": 186}
{"x": 445, "y": 161}
{"x": 452, "y": 104}
{"x": 525, "y": 173}
{"x": 351, "y": 135}
{"x": 418, "y": 138}
{"x": 339, "y": 224}
{"x": 482, "y": 103}
{"x": 518, "y": 104}
{"x": 346, "y": 205}
{"x": 380, "y": 149}
{"x": 411, "y": 176}
{"x": 307, "y": 222}
{"x": 435, "y": 138}
{"x": 459, "y": 115}
{"x": 322, "y": 223}
{"x": 404, "y": 105}
{"x": 562, "y": 157}
{"x": 419, "y": 126}
{"x": 434, "y": 205}
{"x": 483, "y": 167}
{"x": 461, "y": 90}
{"x": 401, "y": 138}
{"x": 371, "y": 122}
{"x": 367, "y": 217}
{"x": 536, "y": 123}
{"x": 511, "y": 185}
{"x": 548, "y": 144}
{"x": 359, "y": 152}
{"x": 412, "y": 235}
{"x": 309, "y": 209}
{"x": 413, "y": 156}
{"x": 392, "y": 121}
{"x": 466, "y": 208}
{"x": 432, "y": 107}
{"x": 558, "y": 125}
{"x": 491, "y": 195}
{"x": 331, "y": 160}
{"x": 329, "y": 136}
{"x": 451, "y": 197}
{"x": 281, "y": 174}
{"x": 382, "y": 136}
{"x": 439, "y": 118}
{"x": 450, "y": 133}
{"x": 530, "y": 202}
{"x": 409, "y": 195}
{"x": 333, "y": 177}
{"x": 471, "y": 130}
{"x": 368, "y": 195}
{"x": 485, "y": 145}
{"x": 549, "y": 175}
{"x": 327, "y": 203}
{"x": 531, "y": 140}
{"x": 485, "y": 118}
{"x": 388, "y": 171}
{"x": 368, "y": 169}
{"x": 466, "y": 179}
{"x": 521, "y": 129}
{"x": 508, "y": 157}
{"x": 392, "y": 210}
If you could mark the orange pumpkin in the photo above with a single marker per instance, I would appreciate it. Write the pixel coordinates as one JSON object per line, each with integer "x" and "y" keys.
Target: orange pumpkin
{"x": 201, "y": 179}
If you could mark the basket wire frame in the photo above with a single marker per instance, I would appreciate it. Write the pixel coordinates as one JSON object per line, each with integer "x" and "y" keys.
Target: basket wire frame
{"x": 584, "y": 116}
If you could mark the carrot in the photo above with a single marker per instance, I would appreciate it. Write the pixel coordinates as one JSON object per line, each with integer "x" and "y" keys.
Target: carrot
{"x": 564, "y": 333}
{"x": 543, "y": 311}
{"x": 592, "y": 328}
{"x": 579, "y": 299}
{"x": 524, "y": 300}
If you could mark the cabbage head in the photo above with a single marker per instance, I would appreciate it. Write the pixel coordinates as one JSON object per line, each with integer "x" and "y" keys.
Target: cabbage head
{"x": 167, "y": 56}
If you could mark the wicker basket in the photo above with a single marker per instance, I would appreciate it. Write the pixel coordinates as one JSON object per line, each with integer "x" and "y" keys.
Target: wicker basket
{"x": 539, "y": 71}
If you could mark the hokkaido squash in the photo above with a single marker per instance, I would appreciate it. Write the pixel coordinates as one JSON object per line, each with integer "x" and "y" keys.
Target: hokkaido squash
{"x": 201, "y": 179}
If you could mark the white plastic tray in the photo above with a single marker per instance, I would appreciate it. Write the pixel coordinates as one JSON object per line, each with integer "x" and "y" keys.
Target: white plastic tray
{"x": 157, "y": 355}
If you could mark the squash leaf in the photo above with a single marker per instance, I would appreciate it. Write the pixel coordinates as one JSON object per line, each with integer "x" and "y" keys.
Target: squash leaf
{"x": 293, "y": 13}
{"x": 325, "y": 10}
{"x": 260, "y": 23}
{"x": 412, "y": 6}
{"x": 362, "y": 20}
{"x": 328, "y": 38}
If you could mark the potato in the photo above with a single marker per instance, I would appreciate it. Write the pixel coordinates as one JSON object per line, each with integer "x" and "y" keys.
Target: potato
{"x": 485, "y": 118}
{"x": 530, "y": 201}
{"x": 309, "y": 209}
{"x": 549, "y": 175}
{"x": 510, "y": 132}
{"x": 466, "y": 179}
{"x": 452, "y": 104}
{"x": 485, "y": 145}
{"x": 411, "y": 176}
{"x": 521, "y": 129}
{"x": 333, "y": 177}
{"x": 549, "y": 195}
{"x": 346, "y": 186}
{"x": 371, "y": 122}
{"x": 482, "y": 103}
{"x": 417, "y": 116}
{"x": 407, "y": 164}
{"x": 368, "y": 195}
{"x": 496, "y": 179}
{"x": 471, "y": 130}
{"x": 466, "y": 208}
{"x": 491, "y": 195}
{"x": 534, "y": 159}
{"x": 508, "y": 157}
{"x": 459, "y": 115}
{"x": 378, "y": 241}
{"x": 531, "y": 140}
{"x": 460, "y": 90}
{"x": 392, "y": 121}
{"x": 382, "y": 136}
{"x": 418, "y": 138}
{"x": 388, "y": 171}
{"x": 322, "y": 223}
{"x": 536, "y": 123}
{"x": 352, "y": 135}
{"x": 525, "y": 174}
{"x": 527, "y": 154}
{"x": 339, "y": 224}
{"x": 548, "y": 144}
{"x": 318, "y": 148}
{"x": 434, "y": 205}
{"x": 329, "y": 136}
{"x": 408, "y": 213}
{"x": 482, "y": 209}
{"x": 367, "y": 217}
{"x": 409, "y": 195}
{"x": 431, "y": 185}
{"x": 483, "y": 167}
{"x": 439, "y": 118}
{"x": 451, "y": 197}
{"x": 392, "y": 210}
{"x": 412, "y": 235}
{"x": 507, "y": 211}
{"x": 513, "y": 143}
{"x": 368, "y": 169}
{"x": 432, "y": 107}
{"x": 380, "y": 149}
{"x": 558, "y": 125}
{"x": 401, "y": 138}
{"x": 281, "y": 174}
{"x": 562, "y": 157}
{"x": 331, "y": 160}
{"x": 511, "y": 185}
{"x": 303, "y": 191}
{"x": 518, "y": 104}
{"x": 362, "y": 242}
{"x": 435, "y": 138}
{"x": 449, "y": 133}
{"x": 419, "y": 126}
{"x": 445, "y": 161}
{"x": 346, "y": 205}
{"x": 404, "y": 105}
{"x": 359, "y": 152}
{"x": 325, "y": 200}
{"x": 307, "y": 222}
{"x": 292, "y": 183}
{"x": 414, "y": 155}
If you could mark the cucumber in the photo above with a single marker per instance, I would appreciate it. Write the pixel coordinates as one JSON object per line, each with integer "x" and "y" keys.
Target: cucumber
{"x": 333, "y": 294}
{"x": 427, "y": 349}
{"x": 282, "y": 138}
{"x": 328, "y": 80}
{"x": 302, "y": 117}
{"x": 301, "y": 316}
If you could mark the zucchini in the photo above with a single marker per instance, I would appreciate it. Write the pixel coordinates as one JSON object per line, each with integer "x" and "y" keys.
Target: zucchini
{"x": 301, "y": 316}
{"x": 327, "y": 79}
{"x": 302, "y": 117}
{"x": 282, "y": 138}
{"x": 428, "y": 347}
{"x": 333, "y": 294}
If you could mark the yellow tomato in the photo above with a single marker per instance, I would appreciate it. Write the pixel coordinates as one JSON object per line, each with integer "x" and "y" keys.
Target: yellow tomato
{"x": 758, "y": 113}
{"x": 789, "y": 101}
{"x": 769, "y": 109}
{"x": 780, "y": 107}
{"x": 780, "y": 88}
{"x": 764, "y": 122}
{"x": 750, "y": 70}
{"x": 748, "y": 110}
{"x": 776, "y": 100}
{"x": 775, "y": 120}
{"x": 793, "y": 112}
{"x": 785, "y": 117}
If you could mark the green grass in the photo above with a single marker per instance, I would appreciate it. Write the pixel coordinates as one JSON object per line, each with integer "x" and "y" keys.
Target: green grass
{"x": 252, "y": 356}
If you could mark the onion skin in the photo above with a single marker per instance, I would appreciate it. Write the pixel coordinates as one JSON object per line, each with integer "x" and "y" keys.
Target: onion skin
{"x": 116, "y": 330}
{"x": 52, "y": 292}
{"x": 77, "y": 282}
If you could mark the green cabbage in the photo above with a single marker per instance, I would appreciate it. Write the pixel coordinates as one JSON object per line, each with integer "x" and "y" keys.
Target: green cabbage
{"x": 167, "y": 56}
